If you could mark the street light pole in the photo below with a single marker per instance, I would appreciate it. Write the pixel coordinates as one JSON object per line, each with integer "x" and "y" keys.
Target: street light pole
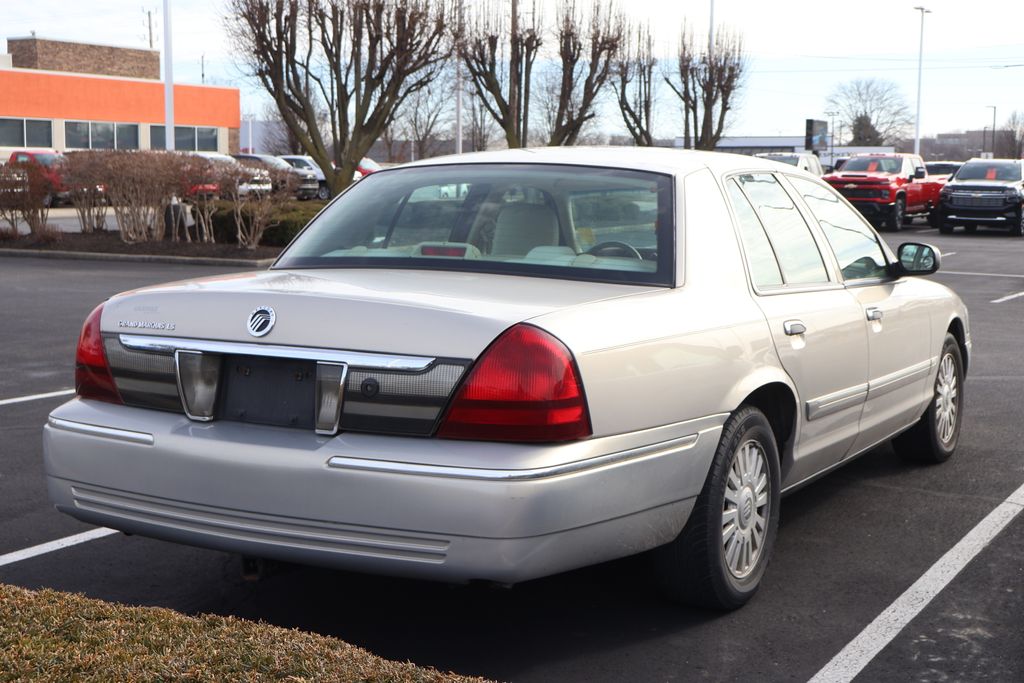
{"x": 920, "y": 60}
{"x": 831, "y": 136}
{"x": 168, "y": 81}
{"x": 993, "y": 108}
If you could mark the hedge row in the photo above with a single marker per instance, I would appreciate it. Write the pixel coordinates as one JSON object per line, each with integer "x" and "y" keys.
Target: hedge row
{"x": 286, "y": 222}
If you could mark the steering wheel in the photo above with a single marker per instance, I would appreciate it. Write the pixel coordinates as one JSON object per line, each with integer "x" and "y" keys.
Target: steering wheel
{"x": 614, "y": 248}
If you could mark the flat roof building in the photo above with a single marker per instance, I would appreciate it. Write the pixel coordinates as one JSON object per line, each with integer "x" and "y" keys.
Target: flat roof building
{"x": 70, "y": 96}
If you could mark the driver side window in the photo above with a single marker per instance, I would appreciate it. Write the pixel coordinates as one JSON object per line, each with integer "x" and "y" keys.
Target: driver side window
{"x": 855, "y": 244}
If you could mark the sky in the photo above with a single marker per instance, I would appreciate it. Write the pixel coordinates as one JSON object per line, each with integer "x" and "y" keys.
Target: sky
{"x": 799, "y": 51}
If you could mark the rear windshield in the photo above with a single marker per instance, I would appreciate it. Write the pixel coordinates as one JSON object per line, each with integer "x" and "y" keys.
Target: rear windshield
{"x": 569, "y": 222}
{"x": 989, "y": 170}
{"x": 874, "y": 164}
{"x": 940, "y": 168}
{"x": 790, "y": 159}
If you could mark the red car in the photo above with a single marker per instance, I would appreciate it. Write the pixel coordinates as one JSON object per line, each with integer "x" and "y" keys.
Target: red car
{"x": 52, "y": 163}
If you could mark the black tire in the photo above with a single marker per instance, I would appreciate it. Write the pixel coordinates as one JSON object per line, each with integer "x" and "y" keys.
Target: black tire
{"x": 946, "y": 228}
{"x": 970, "y": 229}
{"x": 1017, "y": 229}
{"x": 696, "y": 568}
{"x": 934, "y": 437}
{"x": 934, "y": 219}
{"x": 323, "y": 192}
{"x": 896, "y": 215}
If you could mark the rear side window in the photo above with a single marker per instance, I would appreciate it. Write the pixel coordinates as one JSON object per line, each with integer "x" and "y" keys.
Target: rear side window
{"x": 764, "y": 269}
{"x": 573, "y": 222}
{"x": 790, "y": 236}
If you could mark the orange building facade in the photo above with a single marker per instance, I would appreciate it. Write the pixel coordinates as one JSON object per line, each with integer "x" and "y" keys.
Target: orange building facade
{"x": 70, "y": 111}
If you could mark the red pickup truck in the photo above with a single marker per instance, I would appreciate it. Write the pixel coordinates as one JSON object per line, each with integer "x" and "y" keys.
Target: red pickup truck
{"x": 888, "y": 189}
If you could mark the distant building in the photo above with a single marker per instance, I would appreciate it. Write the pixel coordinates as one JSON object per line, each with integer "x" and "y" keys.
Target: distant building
{"x": 70, "y": 96}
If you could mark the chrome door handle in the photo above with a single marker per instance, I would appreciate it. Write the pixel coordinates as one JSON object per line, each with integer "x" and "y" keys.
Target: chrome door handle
{"x": 794, "y": 327}
{"x": 874, "y": 313}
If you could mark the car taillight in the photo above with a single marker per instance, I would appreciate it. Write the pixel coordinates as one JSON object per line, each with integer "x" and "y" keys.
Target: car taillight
{"x": 525, "y": 387}
{"x": 92, "y": 373}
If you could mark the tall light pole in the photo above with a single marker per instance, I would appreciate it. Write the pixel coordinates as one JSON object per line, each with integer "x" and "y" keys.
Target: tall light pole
{"x": 458, "y": 86}
{"x": 993, "y": 108}
{"x": 832, "y": 136}
{"x": 920, "y": 58}
{"x": 711, "y": 30}
{"x": 168, "y": 81}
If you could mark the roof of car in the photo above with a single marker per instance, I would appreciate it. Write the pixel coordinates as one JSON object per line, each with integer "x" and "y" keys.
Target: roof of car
{"x": 656, "y": 159}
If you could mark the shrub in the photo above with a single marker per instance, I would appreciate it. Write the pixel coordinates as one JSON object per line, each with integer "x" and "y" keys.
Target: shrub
{"x": 286, "y": 220}
{"x": 24, "y": 192}
{"x": 86, "y": 179}
{"x": 141, "y": 187}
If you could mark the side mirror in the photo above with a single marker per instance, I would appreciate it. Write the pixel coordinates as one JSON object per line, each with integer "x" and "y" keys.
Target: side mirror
{"x": 920, "y": 172}
{"x": 917, "y": 259}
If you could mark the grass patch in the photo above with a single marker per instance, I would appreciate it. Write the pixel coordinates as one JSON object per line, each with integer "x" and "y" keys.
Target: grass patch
{"x": 51, "y": 636}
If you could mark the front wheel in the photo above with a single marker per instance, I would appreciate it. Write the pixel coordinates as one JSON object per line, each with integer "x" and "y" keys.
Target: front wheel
{"x": 934, "y": 437}
{"x": 1017, "y": 229}
{"x": 897, "y": 214}
{"x": 721, "y": 554}
{"x": 323, "y": 192}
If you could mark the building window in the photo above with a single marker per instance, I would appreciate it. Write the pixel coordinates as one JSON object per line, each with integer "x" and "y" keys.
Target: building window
{"x": 185, "y": 138}
{"x": 25, "y": 133}
{"x": 101, "y": 136}
{"x": 38, "y": 133}
{"x": 127, "y": 135}
{"x": 76, "y": 134}
{"x": 206, "y": 139}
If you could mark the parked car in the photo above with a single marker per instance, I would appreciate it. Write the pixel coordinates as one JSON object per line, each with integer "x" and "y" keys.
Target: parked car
{"x": 805, "y": 161}
{"x": 306, "y": 164}
{"x": 258, "y": 180}
{"x": 572, "y": 356}
{"x": 889, "y": 189}
{"x": 942, "y": 170}
{"x": 306, "y": 185}
{"x": 52, "y": 163}
{"x": 988, "y": 192}
{"x": 366, "y": 166}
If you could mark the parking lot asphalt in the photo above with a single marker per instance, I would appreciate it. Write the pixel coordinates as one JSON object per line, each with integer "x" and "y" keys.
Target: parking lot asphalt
{"x": 849, "y": 545}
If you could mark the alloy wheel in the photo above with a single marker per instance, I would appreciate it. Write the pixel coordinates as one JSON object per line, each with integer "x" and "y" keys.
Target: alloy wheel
{"x": 745, "y": 509}
{"x": 946, "y": 400}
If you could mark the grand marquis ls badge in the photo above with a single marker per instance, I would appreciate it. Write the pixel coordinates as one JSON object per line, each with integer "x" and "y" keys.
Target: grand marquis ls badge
{"x": 261, "y": 320}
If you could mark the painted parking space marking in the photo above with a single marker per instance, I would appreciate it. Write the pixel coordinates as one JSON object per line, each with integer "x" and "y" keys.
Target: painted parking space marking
{"x": 1007, "y": 298}
{"x": 960, "y": 272}
{"x": 36, "y": 397}
{"x": 852, "y": 659}
{"x": 59, "y": 544}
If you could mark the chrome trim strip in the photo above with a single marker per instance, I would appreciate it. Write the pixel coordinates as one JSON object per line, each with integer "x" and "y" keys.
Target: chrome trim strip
{"x": 392, "y": 467}
{"x": 376, "y": 361}
{"x": 141, "y": 438}
{"x": 900, "y": 378}
{"x": 979, "y": 219}
{"x": 833, "y": 403}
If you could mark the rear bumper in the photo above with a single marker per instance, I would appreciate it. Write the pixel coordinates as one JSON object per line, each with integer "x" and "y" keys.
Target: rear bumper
{"x": 446, "y": 510}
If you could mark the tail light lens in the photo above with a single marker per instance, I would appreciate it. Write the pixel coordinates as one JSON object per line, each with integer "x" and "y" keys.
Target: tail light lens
{"x": 525, "y": 387}
{"x": 92, "y": 373}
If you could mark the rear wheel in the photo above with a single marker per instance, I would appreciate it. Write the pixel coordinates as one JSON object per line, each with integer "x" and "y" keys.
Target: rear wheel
{"x": 323, "y": 192}
{"x": 934, "y": 437}
{"x": 720, "y": 556}
{"x": 946, "y": 228}
{"x": 970, "y": 229}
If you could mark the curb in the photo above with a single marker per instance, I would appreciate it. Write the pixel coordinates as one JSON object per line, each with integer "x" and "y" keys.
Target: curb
{"x": 139, "y": 258}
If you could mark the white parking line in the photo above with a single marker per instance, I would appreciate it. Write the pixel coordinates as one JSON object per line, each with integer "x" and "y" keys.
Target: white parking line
{"x": 887, "y": 625}
{"x": 960, "y": 272}
{"x": 1007, "y": 298}
{"x": 949, "y": 253}
{"x": 43, "y": 548}
{"x": 35, "y": 397}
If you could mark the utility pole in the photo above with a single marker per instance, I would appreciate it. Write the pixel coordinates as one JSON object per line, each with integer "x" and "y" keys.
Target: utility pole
{"x": 168, "y": 81}
{"x": 202, "y": 68}
{"x": 514, "y": 75}
{"x": 149, "y": 20}
{"x": 458, "y": 85}
{"x": 920, "y": 56}
{"x": 832, "y": 136}
{"x": 711, "y": 31}
{"x": 993, "y": 108}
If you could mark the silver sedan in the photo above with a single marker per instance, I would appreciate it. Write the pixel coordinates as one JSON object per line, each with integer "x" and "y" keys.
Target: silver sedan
{"x": 506, "y": 365}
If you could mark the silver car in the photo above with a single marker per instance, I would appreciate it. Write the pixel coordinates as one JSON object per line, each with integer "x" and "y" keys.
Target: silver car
{"x": 505, "y": 365}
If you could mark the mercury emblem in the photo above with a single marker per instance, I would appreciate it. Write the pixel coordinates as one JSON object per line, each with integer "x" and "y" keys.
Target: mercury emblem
{"x": 261, "y": 320}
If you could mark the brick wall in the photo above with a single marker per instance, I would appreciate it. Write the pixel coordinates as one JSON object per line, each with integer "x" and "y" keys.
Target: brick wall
{"x": 233, "y": 140}
{"x": 54, "y": 55}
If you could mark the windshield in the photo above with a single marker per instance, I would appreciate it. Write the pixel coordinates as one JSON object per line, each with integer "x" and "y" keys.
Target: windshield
{"x": 276, "y": 163}
{"x": 941, "y": 168}
{"x": 874, "y": 164}
{"x": 989, "y": 170}
{"x": 48, "y": 159}
{"x": 790, "y": 159}
{"x": 571, "y": 222}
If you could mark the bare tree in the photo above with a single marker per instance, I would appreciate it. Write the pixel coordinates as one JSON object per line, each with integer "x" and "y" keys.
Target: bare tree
{"x": 1013, "y": 135}
{"x": 351, "y": 62}
{"x": 634, "y": 78}
{"x": 481, "y": 129}
{"x": 85, "y": 177}
{"x": 278, "y": 138}
{"x": 707, "y": 84}
{"x": 499, "y": 54}
{"x": 879, "y": 100}
{"x": 425, "y": 114}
